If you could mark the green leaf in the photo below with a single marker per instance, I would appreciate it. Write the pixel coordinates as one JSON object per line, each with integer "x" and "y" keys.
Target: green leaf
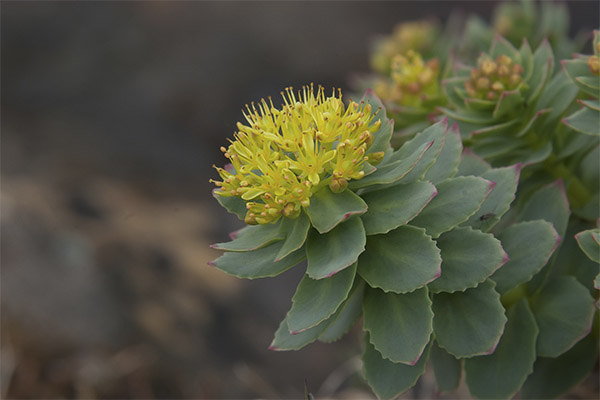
{"x": 469, "y": 323}
{"x": 499, "y": 200}
{"x": 393, "y": 206}
{"x": 558, "y": 96}
{"x": 575, "y": 68}
{"x": 436, "y": 133}
{"x": 252, "y": 237}
{"x": 401, "y": 261}
{"x": 328, "y": 209}
{"x": 468, "y": 258}
{"x": 381, "y": 138}
{"x": 258, "y": 263}
{"x": 457, "y": 199}
{"x": 399, "y": 325}
{"x": 388, "y": 379}
{"x": 335, "y": 250}
{"x": 564, "y": 311}
{"x": 393, "y": 171}
{"x": 285, "y": 341}
{"x": 529, "y": 246}
{"x": 585, "y": 121}
{"x": 501, "y": 46}
{"x": 589, "y": 242}
{"x": 589, "y": 84}
{"x": 446, "y": 165}
{"x": 446, "y": 368}
{"x": 347, "y": 315}
{"x": 543, "y": 63}
{"x": 296, "y": 232}
{"x": 554, "y": 376}
{"x": 233, "y": 204}
{"x": 508, "y": 102}
{"x": 501, "y": 374}
{"x": 472, "y": 164}
{"x": 317, "y": 300}
{"x": 549, "y": 203}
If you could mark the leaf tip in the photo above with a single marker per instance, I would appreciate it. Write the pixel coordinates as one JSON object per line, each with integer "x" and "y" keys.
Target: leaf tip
{"x": 211, "y": 263}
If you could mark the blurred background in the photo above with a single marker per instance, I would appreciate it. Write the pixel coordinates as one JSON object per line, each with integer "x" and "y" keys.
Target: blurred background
{"x": 112, "y": 115}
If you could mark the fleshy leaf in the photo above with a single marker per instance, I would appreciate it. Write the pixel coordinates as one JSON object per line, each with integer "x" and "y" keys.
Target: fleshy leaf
{"x": 296, "y": 232}
{"x": 388, "y": 379}
{"x": 258, "y": 263}
{"x": 381, "y": 138}
{"x": 507, "y": 103}
{"x": 529, "y": 246}
{"x": 394, "y": 206}
{"x": 457, "y": 199}
{"x": 589, "y": 242}
{"x": 446, "y": 368}
{"x": 335, "y": 250}
{"x": 393, "y": 171}
{"x": 436, "y": 133}
{"x": 400, "y": 261}
{"x": 469, "y": 323}
{"x": 446, "y": 165}
{"x": 549, "y": 203}
{"x": 253, "y": 237}
{"x": 399, "y": 325}
{"x": 347, "y": 315}
{"x": 328, "y": 209}
{"x": 543, "y": 63}
{"x": 501, "y": 374}
{"x": 585, "y": 121}
{"x": 472, "y": 164}
{"x": 553, "y": 376}
{"x": 498, "y": 201}
{"x": 468, "y": 258}
{"x": 233, "y": 204}
{"x": 564, "y": 311}
{"x": 285, "y": 341}
{"x": 317, "y": 300}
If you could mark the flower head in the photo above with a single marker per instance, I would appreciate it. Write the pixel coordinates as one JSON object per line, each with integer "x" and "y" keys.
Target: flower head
{"x": 414, "y": 80}
{"x": 281, "y": 156}
{"x": 491, "y": 78}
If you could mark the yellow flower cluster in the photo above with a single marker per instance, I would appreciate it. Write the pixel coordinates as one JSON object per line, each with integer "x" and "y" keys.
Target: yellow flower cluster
{"x": 417, "y": 36}
{"x": 414, "y": 81}
{"x": 491, "y": 78}
{"x": 282, "y": 156}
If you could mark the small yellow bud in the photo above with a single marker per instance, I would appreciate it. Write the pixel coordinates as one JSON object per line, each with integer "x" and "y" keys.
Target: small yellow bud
{"x": 594, "y": 64}
{"x": 498, "y": 86}
{"x": 338, "y": 185}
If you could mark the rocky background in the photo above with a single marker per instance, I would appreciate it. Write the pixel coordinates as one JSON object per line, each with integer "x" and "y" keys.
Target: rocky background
{"x": 112, "y": 115}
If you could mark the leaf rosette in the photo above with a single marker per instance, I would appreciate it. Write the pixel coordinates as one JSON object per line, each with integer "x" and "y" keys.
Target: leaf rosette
{"x": 405, "y": 244}
{"x": 504, "y": 104}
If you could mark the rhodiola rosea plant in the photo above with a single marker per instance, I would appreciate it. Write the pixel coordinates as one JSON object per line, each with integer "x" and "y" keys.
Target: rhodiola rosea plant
{"x": 518, "y": 104}
{"x": 401, "y": 238}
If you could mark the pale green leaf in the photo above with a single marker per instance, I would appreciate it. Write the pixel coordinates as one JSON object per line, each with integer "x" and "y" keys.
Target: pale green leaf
{"x": 501, "y": 374}
{"x": 589, "y": 242}
{"x": 347, "y": 315}
{"x": 400, "y": 261}
{"x": 252, "y": 237}
{"x": 394, "y": 206}
{"x": 472, "y": 164}
{"x": 549, "y": 203}
{"x": 446, "y": 165}
{"x": 335, "y": 250}
{"x": 564, "y": 311}
{"x": 446, "y": 368}
{"x": 296, "y": 232}
{"x": 328, "y": 209}
{"x": 457, "y": 199}
{"x": 469, "y": 323}
{"x": 233, "y": 204}
{"x": 468, "y": 258}
{"x": 399, "y": 325}
{"x": 529, "y": 246}
{"x": 317, "y": 300}
{"x": 258, "y": 263}
{"x": 388, "y": 379}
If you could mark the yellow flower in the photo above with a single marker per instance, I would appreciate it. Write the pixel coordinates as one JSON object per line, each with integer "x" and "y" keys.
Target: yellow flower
{"x": 281, "y": 156}
{"x": 414, "y": 81}
{"x": 491, "y": 78}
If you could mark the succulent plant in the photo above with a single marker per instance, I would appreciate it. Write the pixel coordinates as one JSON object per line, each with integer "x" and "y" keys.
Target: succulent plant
{"x": 405, "y": 244}
{"x": 584, "y": 72}
{"x": 506, "y": 103}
